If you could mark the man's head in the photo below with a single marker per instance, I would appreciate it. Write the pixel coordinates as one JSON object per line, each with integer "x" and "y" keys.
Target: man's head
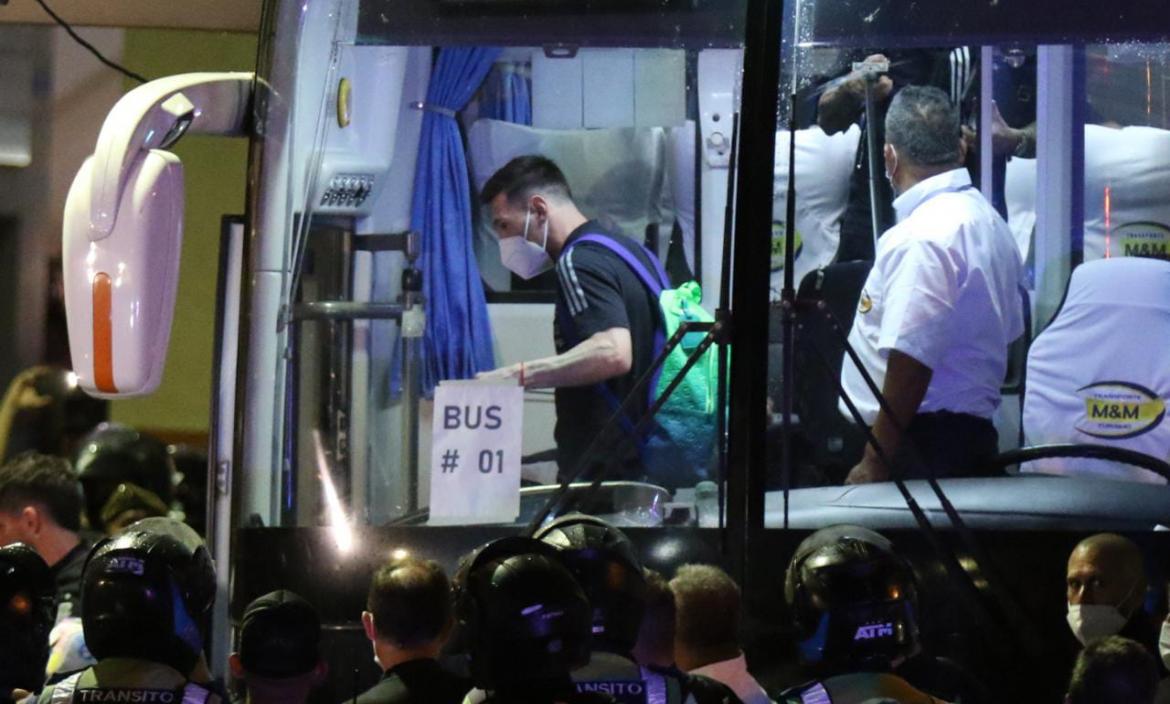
{"x": 26, "y": 615}
{"x": 40, "y": 503}
{"x": 408, "y": 610}
{"x": 524, "y": 618}
{"x": 1106, "y": 568}
{"x": 532, "y": 213}
{"x": 147, "y": 594}
{"x": 708, "y": 604}
{"x": 655, "y": 644}
{"x": 1113, "y": 670}
{"x": 922, "y": 136}
{"x": 278, "y": 655}
{"x": 854, "y": 600}
{"x": 114, "y": 454}
{"x": 1105, "y": 583}
{"x": 606, "y": 565}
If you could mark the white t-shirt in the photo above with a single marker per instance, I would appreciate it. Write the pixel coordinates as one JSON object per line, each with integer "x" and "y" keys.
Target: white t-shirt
{"x": 944, "y": 289}
{"x": 823, "y": 165}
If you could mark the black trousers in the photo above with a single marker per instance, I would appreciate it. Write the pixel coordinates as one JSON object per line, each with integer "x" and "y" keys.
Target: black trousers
{"x": 950, "y": 444}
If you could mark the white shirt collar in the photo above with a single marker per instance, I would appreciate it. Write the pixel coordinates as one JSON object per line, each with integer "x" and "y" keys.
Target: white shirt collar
{"x": 923, "y": 190}
{"x": 734, "y": 674}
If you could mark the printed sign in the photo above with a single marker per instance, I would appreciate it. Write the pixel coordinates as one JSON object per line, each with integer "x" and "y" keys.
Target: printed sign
{"x": 1118, "y": 409}
{"x": 622, "y": 691}
{"x": 475, "y": 453}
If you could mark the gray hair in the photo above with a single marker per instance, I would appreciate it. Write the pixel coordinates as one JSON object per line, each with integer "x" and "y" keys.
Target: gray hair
{"x": 923, "y": 125}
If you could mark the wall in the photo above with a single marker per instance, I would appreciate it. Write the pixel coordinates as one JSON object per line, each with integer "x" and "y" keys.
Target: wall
{"x": 24, "y": 270}
{"x": 236, "y": 15}
{"x": 215, "y": 171}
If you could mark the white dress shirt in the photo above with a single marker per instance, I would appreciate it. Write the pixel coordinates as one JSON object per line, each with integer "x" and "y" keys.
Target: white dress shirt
{"x": 944, "y": 289}
{"x": 734, "y": 674}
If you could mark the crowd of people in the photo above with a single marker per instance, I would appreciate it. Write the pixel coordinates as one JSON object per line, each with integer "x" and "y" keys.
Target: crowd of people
{"x": 120, "y": 613}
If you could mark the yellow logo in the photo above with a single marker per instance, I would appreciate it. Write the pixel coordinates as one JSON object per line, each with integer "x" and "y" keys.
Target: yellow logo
{"x": 1118, "y": 409}
{"x": 865, "y": 305}
{"x": 1143, "y": 239}
{"x": 778, "y": 247}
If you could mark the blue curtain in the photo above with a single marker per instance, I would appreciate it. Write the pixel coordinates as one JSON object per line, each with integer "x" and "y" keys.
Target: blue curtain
{"x": 458, "y": 340}
{"x": 507, "y": 94}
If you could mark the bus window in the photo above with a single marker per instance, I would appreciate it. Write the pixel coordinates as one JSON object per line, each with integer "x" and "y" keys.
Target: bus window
{"x": 636, "y": 112}
{"x": 1055, "y": 164}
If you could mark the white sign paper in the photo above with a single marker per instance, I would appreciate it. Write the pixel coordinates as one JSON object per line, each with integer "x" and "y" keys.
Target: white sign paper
{"x": 475, "y": 453}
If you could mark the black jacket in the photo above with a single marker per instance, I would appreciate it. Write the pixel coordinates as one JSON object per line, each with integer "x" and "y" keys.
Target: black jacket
{"x": 421, "y": 681}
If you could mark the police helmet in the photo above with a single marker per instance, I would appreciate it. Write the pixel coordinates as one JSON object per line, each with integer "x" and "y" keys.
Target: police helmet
{"x": 522, "y": 615}
{"x": 606, "y": 565}
{"x": 26, "y": 616}
{"x": 853, "y": 600}
{"x": 147, "y": 592}
{"x": 113, "y": 454}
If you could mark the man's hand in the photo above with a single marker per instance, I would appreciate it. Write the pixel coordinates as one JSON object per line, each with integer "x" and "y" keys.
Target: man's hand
{"x": 904, "y": 388}
{"x": 869, "y": 470}
{"x": 840, "y": 104}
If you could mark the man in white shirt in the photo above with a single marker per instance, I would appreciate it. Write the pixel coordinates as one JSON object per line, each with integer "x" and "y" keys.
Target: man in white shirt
{"x": 939, "y": 308}
{"x": 706, "y": 639}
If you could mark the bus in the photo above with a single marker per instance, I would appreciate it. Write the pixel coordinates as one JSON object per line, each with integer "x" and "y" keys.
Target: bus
{"x": 364, "y": 269}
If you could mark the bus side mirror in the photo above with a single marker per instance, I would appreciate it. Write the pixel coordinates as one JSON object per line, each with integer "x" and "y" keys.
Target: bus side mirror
{"x": 123, "y": 228}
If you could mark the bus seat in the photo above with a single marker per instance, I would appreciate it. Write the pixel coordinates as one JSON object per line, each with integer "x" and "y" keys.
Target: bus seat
{"x": 1098, "y": 374}
{"x": 835, "y": 441}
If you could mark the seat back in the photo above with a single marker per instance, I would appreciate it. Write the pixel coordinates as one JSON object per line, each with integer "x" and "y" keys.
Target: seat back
{"x": 1100, "y": 374}
{"x": 836, "y": 442}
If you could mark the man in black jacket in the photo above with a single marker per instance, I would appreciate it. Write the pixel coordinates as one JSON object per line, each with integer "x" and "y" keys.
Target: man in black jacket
{"x": 408, "y": 618}
{"x": 278, "y": 657}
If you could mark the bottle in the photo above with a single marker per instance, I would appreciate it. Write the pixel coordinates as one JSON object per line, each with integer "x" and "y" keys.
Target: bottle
{"x": 707, "y": 504}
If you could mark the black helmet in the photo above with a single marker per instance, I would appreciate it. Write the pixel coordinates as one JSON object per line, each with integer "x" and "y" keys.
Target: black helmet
{"x": 853, "y": 599}
{"x": 114, "y": 454}
{"x": 524, "y": 617}
{"x": 606, "y": 565}
{"x": 26, "y": 616}
{"x": 147, "y": 592}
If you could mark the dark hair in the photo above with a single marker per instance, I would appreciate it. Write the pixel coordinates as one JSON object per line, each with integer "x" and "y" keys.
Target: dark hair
{"x": 1113, "y": 669}
{"x": 523, "y": 176}
{"x": 410, "y": 600}
{"x": 923, "y": 125}
{"x": 31, "y": 477}
{"x": 708, "y": 601}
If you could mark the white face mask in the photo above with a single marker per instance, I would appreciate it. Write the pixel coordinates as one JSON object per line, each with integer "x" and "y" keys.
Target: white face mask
{"x": 1164, "y": 644}
{"x": 1092, "y": 621}
{"x": 523, "y": 258}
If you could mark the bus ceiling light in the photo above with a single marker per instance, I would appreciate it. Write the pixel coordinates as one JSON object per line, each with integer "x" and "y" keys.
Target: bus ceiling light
{"x": 123, "y": 227}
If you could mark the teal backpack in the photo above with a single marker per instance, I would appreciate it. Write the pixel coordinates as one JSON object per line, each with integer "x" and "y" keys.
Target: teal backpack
{"x": 678, "y": 448}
